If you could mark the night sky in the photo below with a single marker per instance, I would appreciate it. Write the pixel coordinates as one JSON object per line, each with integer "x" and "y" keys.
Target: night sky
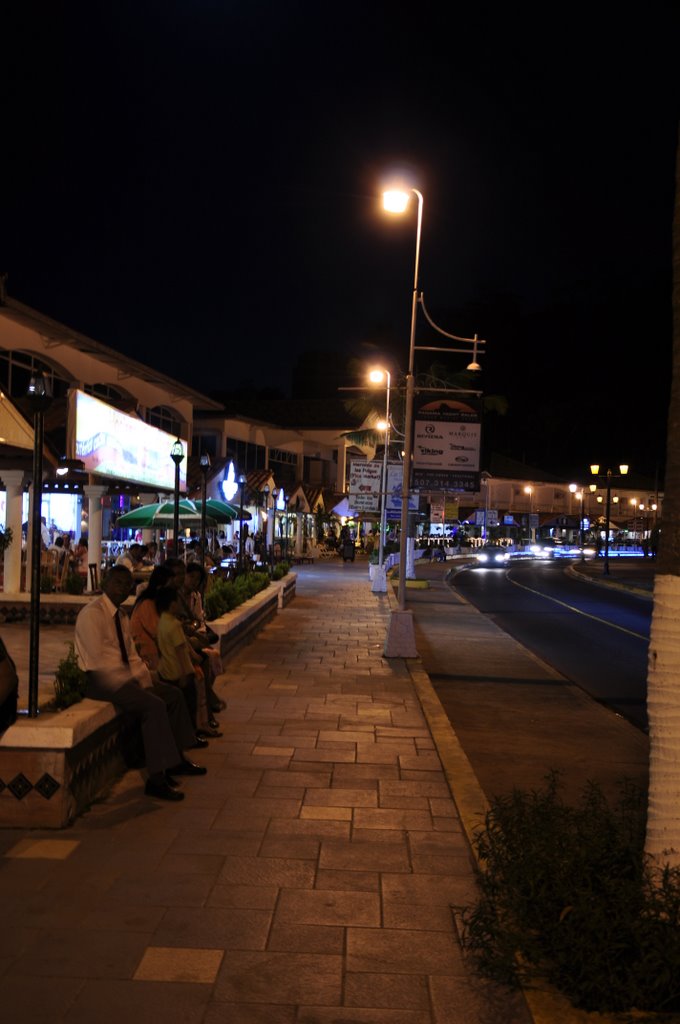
{"x": 197, "y": 185}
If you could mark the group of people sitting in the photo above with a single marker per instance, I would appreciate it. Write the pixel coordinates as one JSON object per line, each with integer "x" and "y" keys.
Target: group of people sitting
{"x": 159, "y": 663}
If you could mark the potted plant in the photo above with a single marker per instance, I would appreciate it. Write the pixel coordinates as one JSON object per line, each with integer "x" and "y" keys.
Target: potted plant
{"x": 69, "y": 680}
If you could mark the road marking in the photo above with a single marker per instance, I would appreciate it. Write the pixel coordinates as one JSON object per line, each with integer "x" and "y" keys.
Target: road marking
{"x": 578, "y": 611}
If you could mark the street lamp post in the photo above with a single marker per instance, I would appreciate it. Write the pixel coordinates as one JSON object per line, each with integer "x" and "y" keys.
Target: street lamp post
{"x": 396, "y": 202}
{"x": 177, "y": 455}
{"x": 529, "y": 491}
{"x": 577, "y": 491}
{"x": 242, "y": 486}
{"x": 595, "y": 470}
{"x": 275, "y": 498}
{"x": 380, "y": 583}
{"x": 265, "y": 521}
{"x": 205, "y": 466}
{"x": 38, "y": 399}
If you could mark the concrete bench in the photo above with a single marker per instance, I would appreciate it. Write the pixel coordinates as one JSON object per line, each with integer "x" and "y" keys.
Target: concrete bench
{"x": 52, "y": 767}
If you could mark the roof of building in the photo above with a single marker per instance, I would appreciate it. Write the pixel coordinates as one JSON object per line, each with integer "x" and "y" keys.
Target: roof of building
{"x": 49, "y": 328}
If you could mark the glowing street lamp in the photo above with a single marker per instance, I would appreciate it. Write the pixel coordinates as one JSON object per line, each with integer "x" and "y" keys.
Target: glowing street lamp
{"x": 577, "y": 491}
{"x": 396, "y": 201}
{"x": 530, "y": 491}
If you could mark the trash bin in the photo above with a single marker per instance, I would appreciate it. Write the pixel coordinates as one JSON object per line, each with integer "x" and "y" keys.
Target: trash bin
{"x": 348, "y": 551}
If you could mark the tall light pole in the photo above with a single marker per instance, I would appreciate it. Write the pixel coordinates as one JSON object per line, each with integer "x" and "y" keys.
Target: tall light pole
{"x": 577, "y": 491}
{"x": 38, "y": 399}
{"x": 265, "y": 521}
{"x": 530, "y": 491}
{"x": 177, "y": 455}
{"x": 275, "y": 499}
{"x": 608, "y": 475}
{"x": 377, "y": 377}
{"x": 396, "y": 202}
{"x": 242, "y": 487}
{"x": 205, "y": 466}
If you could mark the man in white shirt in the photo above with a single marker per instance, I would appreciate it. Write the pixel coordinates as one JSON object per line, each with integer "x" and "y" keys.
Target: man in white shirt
{"x": 115, "y": 672}
{"x": 131, "y": 558}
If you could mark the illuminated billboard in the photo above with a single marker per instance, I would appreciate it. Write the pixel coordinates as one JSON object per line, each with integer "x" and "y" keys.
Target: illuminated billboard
{"x": 111, "y": 443}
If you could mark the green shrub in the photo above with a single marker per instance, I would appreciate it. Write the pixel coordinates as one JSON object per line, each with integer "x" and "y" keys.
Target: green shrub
{"x": 74, "y": 583}
{"x": 69, "y": 680}
{"x": 225, "y": 595}
{"x": 567, "y": 895}
{"x": 280, "y": 570}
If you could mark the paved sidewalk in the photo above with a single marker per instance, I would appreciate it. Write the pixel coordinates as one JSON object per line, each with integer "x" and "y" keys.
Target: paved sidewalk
{"x": 307, "y": 879}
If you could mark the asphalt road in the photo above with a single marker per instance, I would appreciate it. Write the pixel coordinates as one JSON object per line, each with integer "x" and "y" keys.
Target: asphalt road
{"x": 595, "y": 637}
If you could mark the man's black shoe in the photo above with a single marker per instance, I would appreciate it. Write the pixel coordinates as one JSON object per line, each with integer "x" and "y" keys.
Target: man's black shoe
{"x": 213, "y": 723}
{"x": 187, "y": 768}
{"x": 170, "y": 781}
{"x": 199, "y": 744}
{"x": 162, "y": 791}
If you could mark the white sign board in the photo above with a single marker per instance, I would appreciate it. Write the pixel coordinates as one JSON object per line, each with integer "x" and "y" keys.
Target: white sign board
{"x": 365, "y": 479}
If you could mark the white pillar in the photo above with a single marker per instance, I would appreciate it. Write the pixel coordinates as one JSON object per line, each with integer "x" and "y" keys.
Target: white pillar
{"x": 94, "y": 494}
{"x": 14, "y": 486}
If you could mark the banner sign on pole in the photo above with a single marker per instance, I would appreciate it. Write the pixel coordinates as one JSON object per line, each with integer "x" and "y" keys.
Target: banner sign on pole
{"x": 446, "y": 444}
{"x": 365, "y": 479}
{"x": 395, "y": 473}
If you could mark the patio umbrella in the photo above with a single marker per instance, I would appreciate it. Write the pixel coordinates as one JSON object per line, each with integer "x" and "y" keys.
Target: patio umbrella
{"x": 222, "y": 511}
{"x": 162, "y": 513}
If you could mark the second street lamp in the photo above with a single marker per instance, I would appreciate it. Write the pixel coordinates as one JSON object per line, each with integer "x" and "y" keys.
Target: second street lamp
{"x": 177, "y": 455}
{"x": 380, "y": 582}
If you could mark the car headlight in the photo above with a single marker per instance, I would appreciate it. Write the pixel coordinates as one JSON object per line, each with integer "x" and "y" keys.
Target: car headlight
{"x": 483, "y": 557}
{"x": 501, "y": 557}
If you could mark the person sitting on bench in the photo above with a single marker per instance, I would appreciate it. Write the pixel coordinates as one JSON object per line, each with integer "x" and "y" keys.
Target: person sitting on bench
{"x": 115, "y": 672}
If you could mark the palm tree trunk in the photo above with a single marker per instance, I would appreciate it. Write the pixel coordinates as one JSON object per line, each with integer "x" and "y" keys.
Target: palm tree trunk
{"x": 663, "y": 679}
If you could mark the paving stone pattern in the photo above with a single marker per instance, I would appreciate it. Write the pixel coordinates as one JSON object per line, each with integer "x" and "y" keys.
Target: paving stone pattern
{"x": 307, "y": 879}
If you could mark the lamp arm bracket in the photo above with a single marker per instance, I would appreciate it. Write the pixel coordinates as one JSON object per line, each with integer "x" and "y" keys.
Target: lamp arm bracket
{"x": 475, "y": 342}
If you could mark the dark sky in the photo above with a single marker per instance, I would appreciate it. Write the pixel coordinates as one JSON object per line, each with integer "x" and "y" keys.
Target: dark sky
{"x": 196, "y": 184}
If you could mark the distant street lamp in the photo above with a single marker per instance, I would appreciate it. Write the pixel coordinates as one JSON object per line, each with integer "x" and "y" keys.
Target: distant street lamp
{"x": 530, "y": 491}
{"x": 38, "y": 399}
{"x": 177, "y": 455}
{"x": 376, "y": 377}
{"x": 265, "y": 521}
{"x": 205, "y": 466}
{"x": 608, "y": 476}
{"x": 577, "y": 491}
{"x": 274, "y": 501}
{"x": 242, "y": 486}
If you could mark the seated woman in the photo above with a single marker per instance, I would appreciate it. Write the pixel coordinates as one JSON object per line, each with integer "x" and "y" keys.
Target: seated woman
{"x": 144, "y": 623}
{"x": 202, "y": 639}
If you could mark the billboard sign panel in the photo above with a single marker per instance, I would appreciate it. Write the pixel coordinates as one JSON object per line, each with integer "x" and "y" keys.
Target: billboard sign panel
{"x": 111, "y": 443}
{"x": 446, "y": 444}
